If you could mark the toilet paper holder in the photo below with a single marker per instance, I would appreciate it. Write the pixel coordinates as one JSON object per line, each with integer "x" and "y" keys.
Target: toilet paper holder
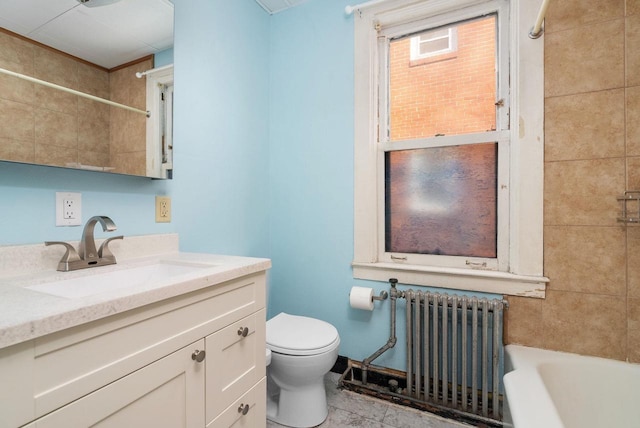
{"x": 383, "y": 296}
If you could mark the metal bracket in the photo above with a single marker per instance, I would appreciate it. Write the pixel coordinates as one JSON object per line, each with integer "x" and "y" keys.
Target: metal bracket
{"x": 630, "y": 197}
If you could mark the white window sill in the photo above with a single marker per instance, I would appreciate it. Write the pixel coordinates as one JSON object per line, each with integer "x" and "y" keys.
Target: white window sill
{"x": 460, "y": 279}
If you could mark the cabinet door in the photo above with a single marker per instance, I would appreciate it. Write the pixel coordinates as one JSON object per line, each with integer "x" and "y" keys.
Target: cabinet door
{"x": 167, "y": 393}
{"x": 248, "y": 411}
{"x": 235, "y": 361}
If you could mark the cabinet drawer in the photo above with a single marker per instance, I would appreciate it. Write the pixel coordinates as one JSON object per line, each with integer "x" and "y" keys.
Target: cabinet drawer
{"x": 235, "y": 362}
{"x": 168, "y": 393}
{"x": 237, "y": 415}
{"x": 75, "y": 362}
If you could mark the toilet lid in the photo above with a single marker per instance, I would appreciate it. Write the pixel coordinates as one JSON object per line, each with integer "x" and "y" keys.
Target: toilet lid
{"x": 297, "y": 335}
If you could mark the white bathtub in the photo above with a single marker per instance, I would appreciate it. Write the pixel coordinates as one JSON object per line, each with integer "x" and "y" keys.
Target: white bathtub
{"x": 547, "y": 389}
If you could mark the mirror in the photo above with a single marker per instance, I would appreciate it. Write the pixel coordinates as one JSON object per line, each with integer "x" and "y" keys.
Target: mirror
{"x": 115, "y": 50}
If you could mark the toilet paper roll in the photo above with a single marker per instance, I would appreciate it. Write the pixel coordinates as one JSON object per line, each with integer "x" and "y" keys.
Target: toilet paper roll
{"x": 361, "y": 298}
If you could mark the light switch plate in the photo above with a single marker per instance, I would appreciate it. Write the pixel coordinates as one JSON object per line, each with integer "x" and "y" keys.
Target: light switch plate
{"x": 163, "y": 209}
{"x": 68, "y": 209}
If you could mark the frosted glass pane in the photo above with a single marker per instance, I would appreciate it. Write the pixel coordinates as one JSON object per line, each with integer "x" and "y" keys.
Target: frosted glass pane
{"x": 442, "y": 200}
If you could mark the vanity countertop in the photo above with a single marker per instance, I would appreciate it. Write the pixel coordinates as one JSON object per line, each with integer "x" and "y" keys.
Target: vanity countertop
{"x": 27, "y": 314}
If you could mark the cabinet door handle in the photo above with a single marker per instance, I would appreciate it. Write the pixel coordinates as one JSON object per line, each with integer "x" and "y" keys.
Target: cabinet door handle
{"x": 243, "y": 331}
{"x": 198, "y": 356}
{"x": 244, "y": 409}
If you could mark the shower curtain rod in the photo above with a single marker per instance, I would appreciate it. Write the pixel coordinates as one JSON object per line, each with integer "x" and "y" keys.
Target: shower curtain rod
{"x": 139, "y": 74}
{"x": 535, "y": 32}
{"x": 537, "y": 29}
{"x": 349, "y": 9}
{"x": 71, "y": 91}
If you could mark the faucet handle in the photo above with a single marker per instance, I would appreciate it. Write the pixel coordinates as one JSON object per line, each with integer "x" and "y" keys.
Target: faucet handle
{"x": 104, "y": 252}
{"x": 69, "y": 256}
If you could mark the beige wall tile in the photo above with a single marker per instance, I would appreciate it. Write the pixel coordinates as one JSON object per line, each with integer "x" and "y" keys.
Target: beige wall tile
{"x": 126, "y": 88}
{"x": 583, "y": 61}
{"x": 586, "y": 258}
{"x": 632, "y": 103}
{"x": 84, "y": 125}
{"x": 16, "y": 51}
{"x": 15, "y": 89}
{"x": 632, "y": 47}
{"x": 93, "y": 135}
{"x": 53, "y": 99}
{"x": 56, "y": 129}
{"x": 592, "y": 269}
{"x": 633, "y": 327}
{"x": 93, "y": 126}
{"x": 523, "y": 321}
{"x": 16, "y": 150}
{"x": 586, "y": 324}
{"x": 93, "y": 80}
{"x": 585, "y": 126}
{"x": 128, "y": 131}
{"x": 55, "y": 68}
{"x": 94, "y": 109}
{"x": 562, "y": 15}
{"x": 16, "y": 120}
{"x": 94, "y": 158}
{"x": 130, "y": 163}
{"x": 633, "y": 175}
{"x": 47, "y": 154}
{"x": 633, "y": 261}
{"x": 583, "y": 192}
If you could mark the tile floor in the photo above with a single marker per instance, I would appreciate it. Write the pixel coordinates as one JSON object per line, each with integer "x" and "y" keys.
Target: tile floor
{"x": 348, "y": 409}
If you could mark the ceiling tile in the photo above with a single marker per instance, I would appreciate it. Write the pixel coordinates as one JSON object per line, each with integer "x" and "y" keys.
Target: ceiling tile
{"x": 108, "y": 35}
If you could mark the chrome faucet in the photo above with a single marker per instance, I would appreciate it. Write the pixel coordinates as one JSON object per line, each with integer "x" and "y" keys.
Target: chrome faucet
{"x": 87, "y": 256}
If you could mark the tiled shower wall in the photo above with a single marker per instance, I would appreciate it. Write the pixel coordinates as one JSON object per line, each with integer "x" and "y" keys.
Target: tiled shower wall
{"x": 129, "y": 130}
{"x": 51, "y": 127}
{"x": 592, "y": 155}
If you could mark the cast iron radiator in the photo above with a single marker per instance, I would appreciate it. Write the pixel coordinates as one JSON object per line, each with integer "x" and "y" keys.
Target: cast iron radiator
{"x": 454, "y": 351}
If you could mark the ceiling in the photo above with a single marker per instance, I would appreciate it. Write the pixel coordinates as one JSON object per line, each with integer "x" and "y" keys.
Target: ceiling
{"x": 107, "y": 35}
{"x": 274, "y": 6}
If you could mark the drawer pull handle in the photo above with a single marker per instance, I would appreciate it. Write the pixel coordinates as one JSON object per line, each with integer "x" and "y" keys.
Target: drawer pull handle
{"x": 198, "y": 356}
{"x": 243, "y": 331}
{"x": 244, "y": 409}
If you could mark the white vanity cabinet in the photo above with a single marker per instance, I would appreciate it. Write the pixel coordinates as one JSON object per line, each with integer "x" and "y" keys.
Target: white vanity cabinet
{"x": 144, "y": 367}
{"x": 166, "y": 393}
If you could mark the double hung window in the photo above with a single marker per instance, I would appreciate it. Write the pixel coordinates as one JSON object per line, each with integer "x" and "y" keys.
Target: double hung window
{"x": 435, "y": 159}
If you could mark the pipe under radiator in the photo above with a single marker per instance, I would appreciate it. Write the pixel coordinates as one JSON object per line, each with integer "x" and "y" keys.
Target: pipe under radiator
{"x": 454, "y": 356}
{"x": 392, "y": 335}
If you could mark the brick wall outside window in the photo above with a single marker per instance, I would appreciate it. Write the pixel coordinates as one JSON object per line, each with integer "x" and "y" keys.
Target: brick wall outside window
{"x": 453, "y": 93}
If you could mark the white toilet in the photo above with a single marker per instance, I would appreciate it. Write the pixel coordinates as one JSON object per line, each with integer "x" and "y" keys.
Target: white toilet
{"x": 303, "y": 350}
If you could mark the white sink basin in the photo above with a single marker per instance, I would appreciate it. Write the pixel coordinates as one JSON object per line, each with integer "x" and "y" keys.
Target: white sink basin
{"x": 90, "y": 285}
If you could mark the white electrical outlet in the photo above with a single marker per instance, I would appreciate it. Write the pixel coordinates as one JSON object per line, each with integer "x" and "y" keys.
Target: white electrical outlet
{"x": 68, "y": 209}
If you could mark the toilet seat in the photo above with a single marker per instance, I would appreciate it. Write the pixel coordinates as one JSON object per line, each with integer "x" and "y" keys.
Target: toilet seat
{"x": 298, "y": 335}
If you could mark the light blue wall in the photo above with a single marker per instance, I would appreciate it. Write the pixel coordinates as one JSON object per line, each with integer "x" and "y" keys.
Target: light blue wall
{"x": 221, "y": 68}
{"x": 220, "y": 191}
{"x": 164, "y": 57}
{"x": 311, "y": 177}
{"x": 28, "y": 213}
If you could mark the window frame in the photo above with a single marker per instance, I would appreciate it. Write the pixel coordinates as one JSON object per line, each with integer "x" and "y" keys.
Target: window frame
{"x": 159, "y": 89}
{"x": 518, "y": 270}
